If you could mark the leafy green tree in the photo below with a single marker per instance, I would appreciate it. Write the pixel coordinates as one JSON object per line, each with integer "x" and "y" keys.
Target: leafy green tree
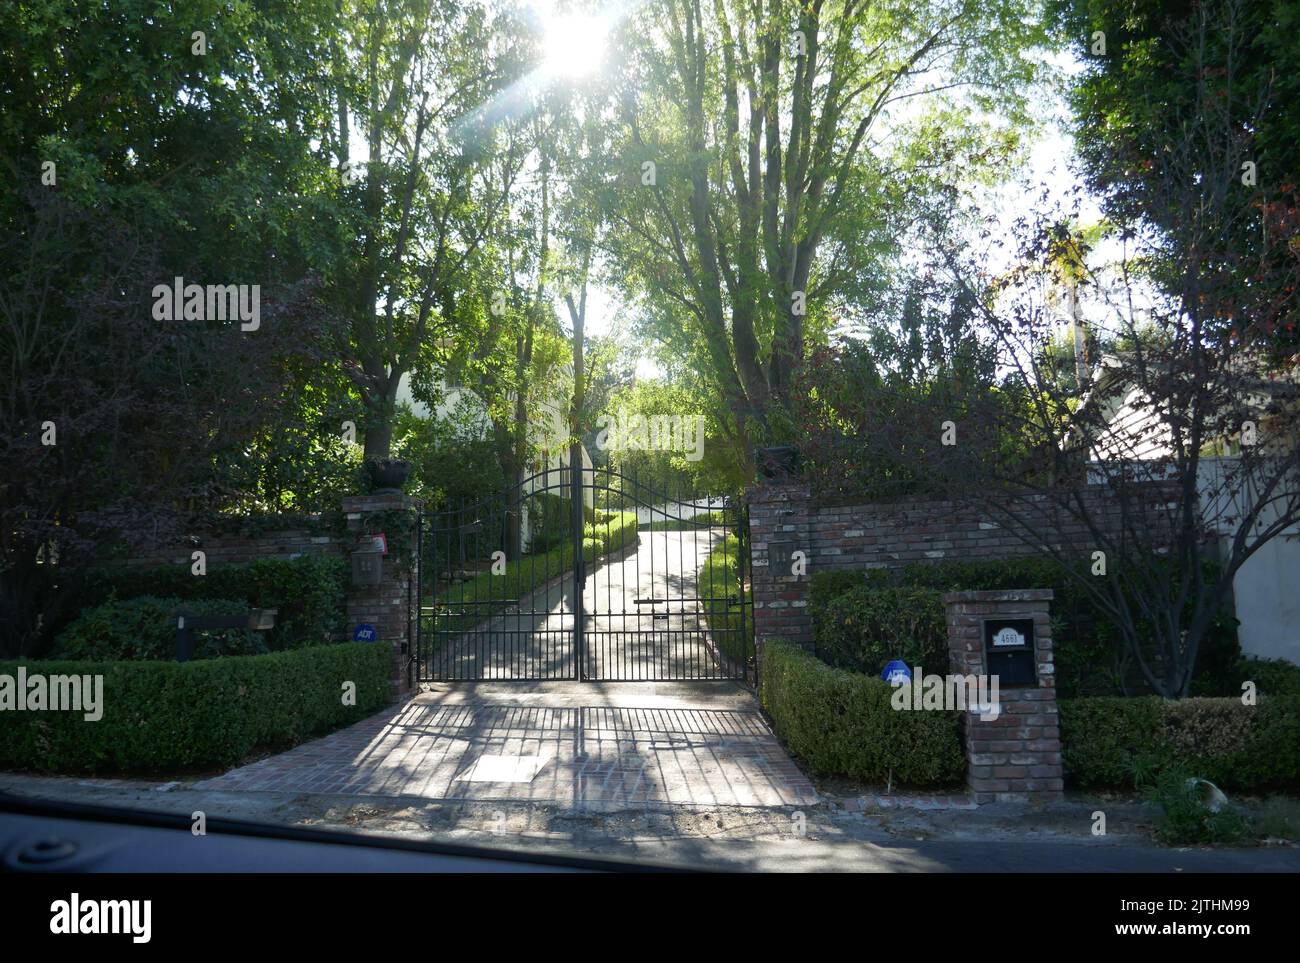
{"x": 699, "y": 464}
{"x": 133, "y": 151}
{"x": 462, "y": 438}
{"x": 415, "y": 209}
{"x": 1165, "y": 67}
{"x": 508, "y": 347}
{"x": 872, "y": 407}
{"x": 757, "y": 171}
{"x": 210, "y": 150}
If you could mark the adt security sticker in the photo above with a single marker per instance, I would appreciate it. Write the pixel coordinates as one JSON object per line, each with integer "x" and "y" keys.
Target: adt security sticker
{"x": 897, "y": 673}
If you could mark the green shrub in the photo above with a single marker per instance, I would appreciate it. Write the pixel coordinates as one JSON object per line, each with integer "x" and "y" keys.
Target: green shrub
{"x": 1101, "y": 736}
{"x": 550, "y": 522}
{"x": 719, "y": 583}
{"x": 866, "y": 627}
{"x": 1089, "y": 654}
{"x": 841, "y": 723}
{"x": 170, "y": 717}
{"x": 1242, "y": 748}
{"x": 1218, "y": 659}
{"x": 145, "y": 628}
{"x": 310, "y": 592}
{"x": 825, "y": 586}
{"x": 702, "y": 520}
{"x": 1271, "y": 676}
{"x": 1183, "y": 816}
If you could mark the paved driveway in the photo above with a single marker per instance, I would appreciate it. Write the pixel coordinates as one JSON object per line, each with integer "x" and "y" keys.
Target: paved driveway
{"x": 644, "y": 622}
{"x": 580, "y": 746}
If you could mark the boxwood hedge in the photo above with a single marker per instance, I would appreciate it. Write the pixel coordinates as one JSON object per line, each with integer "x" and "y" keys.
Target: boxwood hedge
{"x": 310, "y": 592}
{"x": 841, "y": 723}
{"x": 866, "y": 614}
{"x": 1108, "y": 742}
{"x": 145, "y": 628}
{"x": 170, "y": 717}
{"x": 867, "y": 626}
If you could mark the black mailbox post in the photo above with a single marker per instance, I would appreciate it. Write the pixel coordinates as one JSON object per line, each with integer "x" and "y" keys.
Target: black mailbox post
{"x": 257, "y": 620}
{"x": 1009, "y": 651}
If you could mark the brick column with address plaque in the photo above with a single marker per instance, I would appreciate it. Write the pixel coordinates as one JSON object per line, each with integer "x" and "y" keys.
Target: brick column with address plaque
{"x": 1013, "y": 755}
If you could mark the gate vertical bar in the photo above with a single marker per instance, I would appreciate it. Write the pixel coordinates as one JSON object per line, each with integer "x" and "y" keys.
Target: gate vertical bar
{"x": 748, "y": 650}
{"x": 575, "y": 468}
{"x": 437, "y": 559}
{"x": 579, "y": 574}
{"x": 414, "y": 667}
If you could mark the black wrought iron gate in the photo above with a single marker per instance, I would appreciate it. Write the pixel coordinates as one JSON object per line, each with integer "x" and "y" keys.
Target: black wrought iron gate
{"x": 640, "y": 586}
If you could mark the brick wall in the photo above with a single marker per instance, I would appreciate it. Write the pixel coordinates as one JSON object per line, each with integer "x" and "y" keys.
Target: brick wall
{"x": 244, "y": 547}
{"x": 835, "y": 535}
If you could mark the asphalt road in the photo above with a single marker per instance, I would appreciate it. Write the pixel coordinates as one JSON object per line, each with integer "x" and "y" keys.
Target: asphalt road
{"x": 743, "y": 839}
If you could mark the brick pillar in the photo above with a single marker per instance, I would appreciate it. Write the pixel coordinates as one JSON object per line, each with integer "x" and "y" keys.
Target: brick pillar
{"x": 1015, "y": 757}
{"x": 778, "y": 526}
{"x": 391, "y": 605}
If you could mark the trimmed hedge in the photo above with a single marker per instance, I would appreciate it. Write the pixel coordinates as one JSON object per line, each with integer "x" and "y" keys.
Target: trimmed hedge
{"x": 170, "y": 717}
{"x": 145, "y": 628}
{"x": 866, "y": 627}
{"x": 1108, "y": 742}
{"x": 841, "y": 723}
{"x": 310, "y": 592}
{"x": 1088, "y": 651}
{"x": 1271, "y": 676}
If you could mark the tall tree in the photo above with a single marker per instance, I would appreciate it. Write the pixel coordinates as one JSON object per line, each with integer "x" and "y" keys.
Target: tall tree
{"x": 1150, "y": 68}
{"x": 1182, "y": 459}
{"x": 140, "y": 143}
{"x": 424, "y": 195}
{"x": 757, "y": 160}
{"x": 507, "y": 344}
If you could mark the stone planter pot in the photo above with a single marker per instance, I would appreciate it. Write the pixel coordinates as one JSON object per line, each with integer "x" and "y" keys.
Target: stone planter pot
{"x": 387, "y": 474}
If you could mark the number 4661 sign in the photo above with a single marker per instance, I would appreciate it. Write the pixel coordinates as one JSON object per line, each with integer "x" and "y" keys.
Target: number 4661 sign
{"x": 1008, "y": 636}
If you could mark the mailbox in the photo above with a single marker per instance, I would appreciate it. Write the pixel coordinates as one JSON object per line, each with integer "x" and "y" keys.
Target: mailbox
{"x": 259, "y": 620}
{"x": 1009, "y": 651}
{"x": 367, "y": 566}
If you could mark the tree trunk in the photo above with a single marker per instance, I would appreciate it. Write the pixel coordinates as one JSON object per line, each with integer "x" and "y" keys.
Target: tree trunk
{"x": 381, "y": 407}
{"x": 379, "y": 440}
{"x": 514, "y": 472}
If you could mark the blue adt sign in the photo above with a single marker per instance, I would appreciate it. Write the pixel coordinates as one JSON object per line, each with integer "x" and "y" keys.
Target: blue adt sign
{"x": 364, "y": 633}
{"x": 897, "y": 673}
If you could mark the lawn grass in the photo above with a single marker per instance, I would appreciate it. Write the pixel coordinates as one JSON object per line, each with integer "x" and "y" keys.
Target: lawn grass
{"x": 729, "y": 627}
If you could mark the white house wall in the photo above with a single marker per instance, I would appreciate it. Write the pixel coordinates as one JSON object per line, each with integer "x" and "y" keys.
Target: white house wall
{"x": 1267, "y": 587}
{"x": 1267, "y": 590}
{"x": 547, "y": 433}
